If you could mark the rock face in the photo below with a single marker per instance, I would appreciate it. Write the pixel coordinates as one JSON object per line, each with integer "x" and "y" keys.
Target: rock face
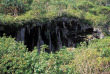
{"x": 1, "y": 30}
{"x": 107, "y": 29}
{"x": 56, "y": 33}
{"x": 98, "y": 33}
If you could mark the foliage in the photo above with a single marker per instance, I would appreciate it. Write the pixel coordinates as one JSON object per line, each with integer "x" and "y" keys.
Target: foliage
{"x": 98, "y": 20}
{"x": 96, "y": 2}
{"x": 100, "y": 10}
{"x": 53, "y": 62}
{"x": 9, "y": 45}
{"x": 14, "y": 7}
{"x": 94, "y": 58}
{"x": 16, "y": 62}
{"x": 86, "y": 5}
{"x": 14, "y": 57}
{"x": 47, "y": 10}
{"x": 19, "y": 20}
{"x": 17, "y": 59}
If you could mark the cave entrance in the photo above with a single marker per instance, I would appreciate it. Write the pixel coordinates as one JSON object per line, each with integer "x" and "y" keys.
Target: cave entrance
{"x": 56, "y": 34}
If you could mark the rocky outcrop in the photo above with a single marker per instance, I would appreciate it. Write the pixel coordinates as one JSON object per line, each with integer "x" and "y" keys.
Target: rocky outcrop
{"x": 57, "y": 33}
{"x": 98, "y": 33}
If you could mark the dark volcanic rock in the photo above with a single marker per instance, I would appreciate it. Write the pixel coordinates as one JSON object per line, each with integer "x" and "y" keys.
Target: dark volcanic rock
{"x": 56, "y": 33}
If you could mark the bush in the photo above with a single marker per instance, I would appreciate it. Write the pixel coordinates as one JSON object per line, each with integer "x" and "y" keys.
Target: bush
{"x": 52, "y": 63}
{"x": 100, "y": 10}
{"x": 14, "y": 57}
{"x": 97, "y": 20}
{"x": 15, "y": 7}
{"x": 9, "y": 45}
{"x": 95, "y": 58}
{"x": 86, "y": 5}
{"x": 16, "y": 62}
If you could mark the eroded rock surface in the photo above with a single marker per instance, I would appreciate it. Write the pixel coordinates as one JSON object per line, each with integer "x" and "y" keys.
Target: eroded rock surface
{"x": 56, "y": 33}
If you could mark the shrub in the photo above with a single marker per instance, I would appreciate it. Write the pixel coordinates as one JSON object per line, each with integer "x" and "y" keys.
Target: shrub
{"x": 100, "y": 10}
{"x": 97, "y": 20}
{"x": 14, "y": 57}
{"x": 86, "y": 5}
{"x": 16, "y": 62}
{"x": 52, "y": 63}
{"x": 9, "y": 45}
{"x": 95, "y": 58}
{"x": 15, "y": 7}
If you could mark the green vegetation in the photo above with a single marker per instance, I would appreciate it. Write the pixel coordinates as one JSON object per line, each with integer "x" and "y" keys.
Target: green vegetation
{"x": 94, "y": 58}
{"x": 14, "y": 7}
{"x": 19, "y": 12}
{"x": 85, "y": 59}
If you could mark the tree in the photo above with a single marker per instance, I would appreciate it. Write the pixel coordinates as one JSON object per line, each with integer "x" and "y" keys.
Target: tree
{"x": 15, "y": 7}
{"x": 86, "y": 5}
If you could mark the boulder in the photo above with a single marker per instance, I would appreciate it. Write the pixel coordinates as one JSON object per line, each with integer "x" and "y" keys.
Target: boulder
{"x": 98, "y": 33}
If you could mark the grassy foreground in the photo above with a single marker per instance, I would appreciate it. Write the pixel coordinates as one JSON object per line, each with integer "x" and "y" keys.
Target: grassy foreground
{"x": 91, "y": 59}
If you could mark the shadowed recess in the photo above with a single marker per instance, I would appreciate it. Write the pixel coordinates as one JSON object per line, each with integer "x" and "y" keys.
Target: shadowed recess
{"x": 56, "y": 34}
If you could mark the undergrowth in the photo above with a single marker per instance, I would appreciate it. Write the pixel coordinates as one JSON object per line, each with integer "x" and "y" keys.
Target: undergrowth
{"x": 92, "y": 59}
